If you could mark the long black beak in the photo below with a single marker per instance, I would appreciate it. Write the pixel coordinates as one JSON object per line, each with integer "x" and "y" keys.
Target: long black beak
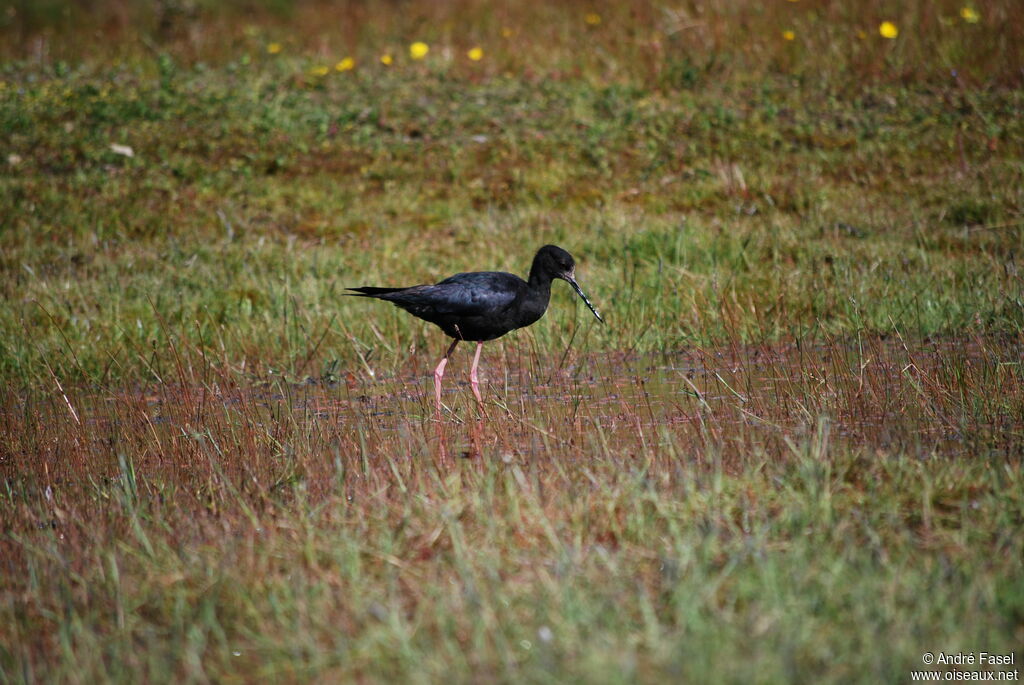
{"x": 579, "y": 291}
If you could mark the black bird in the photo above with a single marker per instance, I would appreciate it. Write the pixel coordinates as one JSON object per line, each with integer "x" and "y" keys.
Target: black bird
{"x": 483, "y": 305}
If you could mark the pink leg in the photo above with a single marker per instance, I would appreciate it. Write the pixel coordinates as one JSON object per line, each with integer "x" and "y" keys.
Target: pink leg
{"x": 439, "y": 374}
{"x": 474, "y": 383}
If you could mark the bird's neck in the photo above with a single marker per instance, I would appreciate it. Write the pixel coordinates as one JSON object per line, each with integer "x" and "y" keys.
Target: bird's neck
{"x": 539, "y": 278}
{"x": 539, "y": 293}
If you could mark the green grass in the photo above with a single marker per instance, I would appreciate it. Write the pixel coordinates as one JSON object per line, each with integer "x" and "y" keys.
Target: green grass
{"x": 793, "y": 453}
{"x": 690, "y": 575}
{"x": 697, "y": 215}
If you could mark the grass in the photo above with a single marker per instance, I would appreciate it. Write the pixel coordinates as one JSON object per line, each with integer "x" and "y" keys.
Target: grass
{"x": 630, "y": 532}
{"x": 698, "y": 217}
{"x": 794, "y": 452}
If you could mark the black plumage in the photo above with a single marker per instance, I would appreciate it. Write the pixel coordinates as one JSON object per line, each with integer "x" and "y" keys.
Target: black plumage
{"x": 484, "y": 305}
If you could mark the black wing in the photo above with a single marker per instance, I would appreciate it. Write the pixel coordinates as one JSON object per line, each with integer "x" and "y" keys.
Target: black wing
{"x": 470, "y": 294}
{"x": 466, "y": 294}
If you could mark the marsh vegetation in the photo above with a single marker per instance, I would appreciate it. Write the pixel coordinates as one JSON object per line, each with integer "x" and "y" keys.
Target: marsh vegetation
{"x": 794, "y": 452}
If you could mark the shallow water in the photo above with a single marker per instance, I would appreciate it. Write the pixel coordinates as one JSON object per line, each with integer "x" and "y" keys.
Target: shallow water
{"x": 941, "y": 397}
{"x": 230, "y": 439}
{"x": 944, "y": 397}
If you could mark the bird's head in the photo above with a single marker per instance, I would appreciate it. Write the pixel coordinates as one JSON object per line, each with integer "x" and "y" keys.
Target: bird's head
{"x": 557, "y": 263}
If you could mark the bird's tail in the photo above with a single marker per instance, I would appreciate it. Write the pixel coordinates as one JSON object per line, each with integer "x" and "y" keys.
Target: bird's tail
{"x": 368, "y": 291}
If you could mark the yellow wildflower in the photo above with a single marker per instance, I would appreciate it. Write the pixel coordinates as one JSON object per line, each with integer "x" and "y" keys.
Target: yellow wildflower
{"x": 887, "y": 29}
{"x": 347, "y": 64}
{"x": 273, "y": 48}
{"x": 319, "y": 71}
{"x": 970, "y": 15}
{"x": 506, "y": 32}
{"x": 476, "y": 53}
{"x": 592, "y": 18}
{"x": 418, "y": 50}
{"x": 788, "y": 35}
{"x": 386, "y": 60}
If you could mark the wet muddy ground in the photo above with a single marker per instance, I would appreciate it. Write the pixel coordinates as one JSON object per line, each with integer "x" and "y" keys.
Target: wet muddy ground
{"x": 928, "y": 398}
{"x": 936, "y": 398}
